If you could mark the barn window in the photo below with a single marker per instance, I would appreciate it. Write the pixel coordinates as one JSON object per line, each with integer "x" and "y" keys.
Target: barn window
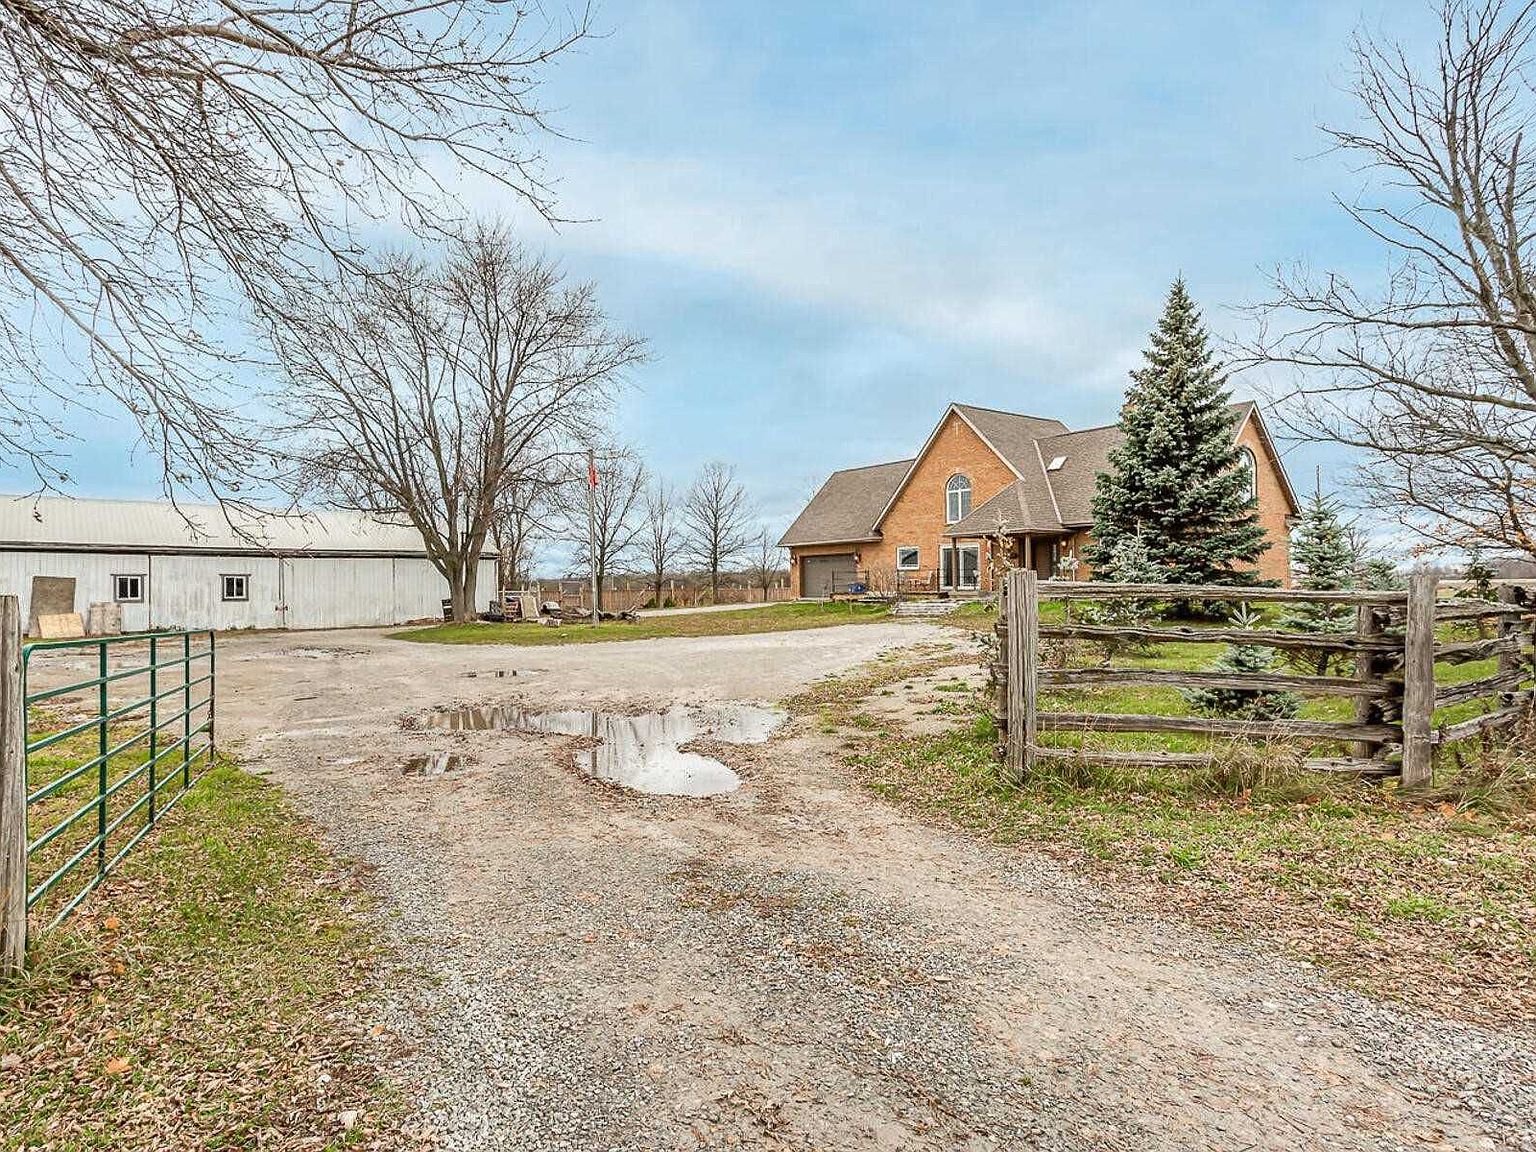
{"x": 957, "y": 499}
{"x": 907, "y": 559}
{"x": 1250, "y": 466}
{"x": 128, "y": 589}
{"x": 236, "y": 587}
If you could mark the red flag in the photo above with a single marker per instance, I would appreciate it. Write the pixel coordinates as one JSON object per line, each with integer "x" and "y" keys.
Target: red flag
{"x": 591, "y": 472}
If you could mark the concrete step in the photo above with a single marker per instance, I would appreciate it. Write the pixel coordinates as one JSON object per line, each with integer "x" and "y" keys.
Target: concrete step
{"x": 925, "y": 607}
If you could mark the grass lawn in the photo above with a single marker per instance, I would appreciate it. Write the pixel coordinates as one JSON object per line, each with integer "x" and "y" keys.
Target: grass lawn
{"x": 201, "y": 998}
{"x": 1428, "y": 898}
{"x": 769, "y": 618}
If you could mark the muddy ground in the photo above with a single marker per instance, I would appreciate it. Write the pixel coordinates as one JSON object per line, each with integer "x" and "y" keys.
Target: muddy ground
{"x": 794, "y": 964}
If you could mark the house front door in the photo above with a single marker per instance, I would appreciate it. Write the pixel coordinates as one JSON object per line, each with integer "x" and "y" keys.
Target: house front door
{"x": 960, "y": 567}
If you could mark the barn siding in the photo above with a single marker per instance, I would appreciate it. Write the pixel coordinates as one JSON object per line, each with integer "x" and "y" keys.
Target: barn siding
{"x": 185, "y": 590}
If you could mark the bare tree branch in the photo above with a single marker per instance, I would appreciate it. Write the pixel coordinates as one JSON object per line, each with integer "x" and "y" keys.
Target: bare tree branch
{"x": 716, "y": 521}
{"x": 661, "y": 539}
{"x": 171, "y": 168}
{"x": 429, "y": 394}
{"x": 618, "y": 507}
{"x": 1433, "y": 378}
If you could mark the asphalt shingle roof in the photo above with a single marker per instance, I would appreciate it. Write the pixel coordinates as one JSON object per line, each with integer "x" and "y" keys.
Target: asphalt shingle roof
{"x": 845, "y": 507}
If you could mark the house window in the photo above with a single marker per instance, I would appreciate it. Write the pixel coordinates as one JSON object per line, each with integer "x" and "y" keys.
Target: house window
{"x": 1250, "y": 467}
{"x": 957, "y": 499}
{"x": 128, "y": 589}
{"x": 908, "y": 559}
{"x": 236, "y": 587}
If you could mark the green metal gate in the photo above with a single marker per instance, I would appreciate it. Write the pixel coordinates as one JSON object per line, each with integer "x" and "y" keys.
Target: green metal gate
{"x": 100, "y": 782}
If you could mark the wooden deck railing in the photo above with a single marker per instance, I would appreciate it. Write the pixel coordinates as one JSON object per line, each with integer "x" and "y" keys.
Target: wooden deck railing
{"x": 1387, "y": 666}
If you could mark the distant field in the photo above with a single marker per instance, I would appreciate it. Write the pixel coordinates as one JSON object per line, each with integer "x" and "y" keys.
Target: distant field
{"x": 772, "y": 618}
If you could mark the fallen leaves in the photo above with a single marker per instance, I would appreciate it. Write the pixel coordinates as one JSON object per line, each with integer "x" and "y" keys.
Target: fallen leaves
{"x": 180, "y": 1010}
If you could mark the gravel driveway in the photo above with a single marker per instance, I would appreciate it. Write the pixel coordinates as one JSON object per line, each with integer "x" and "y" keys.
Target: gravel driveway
{"x": 796, "y": 965}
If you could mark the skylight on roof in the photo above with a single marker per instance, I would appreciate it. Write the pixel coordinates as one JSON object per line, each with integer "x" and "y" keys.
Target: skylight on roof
{"x": 1056, "y": 463}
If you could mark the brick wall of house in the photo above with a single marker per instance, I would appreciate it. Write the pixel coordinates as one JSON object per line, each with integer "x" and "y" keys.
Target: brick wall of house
{"x": 1275, "y": 564}
{"x": 917, "y": 518}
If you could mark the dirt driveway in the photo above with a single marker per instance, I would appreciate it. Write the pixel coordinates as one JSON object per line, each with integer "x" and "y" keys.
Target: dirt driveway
{"x": 795, "y": 964}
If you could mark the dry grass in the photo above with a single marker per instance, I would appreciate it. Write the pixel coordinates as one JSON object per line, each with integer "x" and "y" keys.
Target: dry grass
{"x": 205, "y": 997}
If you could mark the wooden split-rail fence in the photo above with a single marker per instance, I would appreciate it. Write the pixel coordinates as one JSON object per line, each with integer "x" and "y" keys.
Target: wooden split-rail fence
{"x": 1387, "y": 666}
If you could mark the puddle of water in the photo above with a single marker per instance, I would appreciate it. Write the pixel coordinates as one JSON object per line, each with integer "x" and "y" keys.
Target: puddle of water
{"x": 640, "y": 752}
{"x": 432, "y": 764}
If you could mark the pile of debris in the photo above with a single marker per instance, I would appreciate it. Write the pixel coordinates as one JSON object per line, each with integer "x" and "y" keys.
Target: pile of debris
{"x": 519, "y": 605}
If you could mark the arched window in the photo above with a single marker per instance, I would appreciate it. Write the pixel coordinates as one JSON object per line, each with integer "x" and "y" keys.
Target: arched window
{"x": 1250, "y": 466}
{"x": 957, "y": 499}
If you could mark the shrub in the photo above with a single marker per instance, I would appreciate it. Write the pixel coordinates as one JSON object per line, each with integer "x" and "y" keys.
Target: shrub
{"x": 1245, "y": 703}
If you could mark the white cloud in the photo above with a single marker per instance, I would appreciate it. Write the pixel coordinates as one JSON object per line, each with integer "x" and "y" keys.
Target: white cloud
{"x": 934, "y": 283}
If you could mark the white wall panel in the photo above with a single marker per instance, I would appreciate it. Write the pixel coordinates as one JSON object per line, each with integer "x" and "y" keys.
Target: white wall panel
{"x": 185, "y": 590}
{"x": 93, "y": 574}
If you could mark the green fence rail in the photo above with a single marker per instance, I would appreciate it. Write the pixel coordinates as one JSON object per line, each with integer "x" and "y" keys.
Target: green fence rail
{"x": 100, "y": 782}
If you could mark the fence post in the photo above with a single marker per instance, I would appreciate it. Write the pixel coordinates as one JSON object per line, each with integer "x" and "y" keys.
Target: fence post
{"x": 1367, "y": 710}
{"x": 1023, "y": 656}
{"x": 1419, "y": 680}
{"x": 1509, "y": 625}
{"x": 13, "y": 794}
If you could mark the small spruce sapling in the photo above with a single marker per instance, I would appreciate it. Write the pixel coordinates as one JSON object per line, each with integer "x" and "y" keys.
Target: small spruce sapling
{"x": 1129, "y": 562}
{"x": 1245, "y": 703}
{"x": 1479, "y": 576}
{"x": 1324, "y": 560}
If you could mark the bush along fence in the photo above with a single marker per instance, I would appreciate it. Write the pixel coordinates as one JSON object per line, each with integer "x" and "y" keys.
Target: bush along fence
{"x": 1376, "y": 683}
{"x": 98, "y": 739}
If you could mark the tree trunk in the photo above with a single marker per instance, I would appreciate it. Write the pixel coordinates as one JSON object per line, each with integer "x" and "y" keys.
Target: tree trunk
{"x": 656, "y": 599}
{"x": 461, "y": 591}
{"x": 599, "y": 588}
{"x": 714, "y": 584}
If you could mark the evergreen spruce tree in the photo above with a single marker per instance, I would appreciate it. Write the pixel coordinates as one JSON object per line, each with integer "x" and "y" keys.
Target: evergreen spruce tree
{"x": 1479, "y": 574}
{"x": 1323, "y": 559}
{"x": 1245, "y": 703}
{"x": 1380, "y": 575}
{"x": 1176, "y": 478}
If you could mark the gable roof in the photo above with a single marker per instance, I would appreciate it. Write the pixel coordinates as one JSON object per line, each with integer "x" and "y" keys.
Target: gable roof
{"x": 845, "y": 508}
{"x": 1010, "y": 436}
{"x": 1087, "y": 454}
{"x": 852, "y": 504}
{"x": 71, "y": 524}
{"x": 1012, "y": 510}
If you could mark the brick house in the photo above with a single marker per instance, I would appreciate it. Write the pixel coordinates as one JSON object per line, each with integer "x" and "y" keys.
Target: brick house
{"x": 928, "y": 524}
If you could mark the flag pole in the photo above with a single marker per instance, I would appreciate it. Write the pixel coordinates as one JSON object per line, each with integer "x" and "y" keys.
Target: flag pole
{"x": 592, "y": 527}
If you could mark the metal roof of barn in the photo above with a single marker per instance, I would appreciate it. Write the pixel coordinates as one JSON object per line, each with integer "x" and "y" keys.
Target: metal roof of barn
{"x": 66, "y": 524}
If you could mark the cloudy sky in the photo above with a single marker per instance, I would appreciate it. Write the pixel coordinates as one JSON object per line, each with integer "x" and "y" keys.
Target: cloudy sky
{"x": 831, "y": 219}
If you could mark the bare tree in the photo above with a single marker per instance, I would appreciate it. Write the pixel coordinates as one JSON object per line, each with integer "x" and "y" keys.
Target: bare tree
{"x": 716, "y": 521}
{"x": 428, "y": 393}
{"x": 617, "y": 513}
{"x": 1434, "y": 375}
{"x": 169, "y": 169}
{"x": 524, "y": 513}
{"x": 661, "y": 538}
{"x": 765, "y": 563}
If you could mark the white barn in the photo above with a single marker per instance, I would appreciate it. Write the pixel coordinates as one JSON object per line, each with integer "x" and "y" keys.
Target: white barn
{"x": 321, "y": 570}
